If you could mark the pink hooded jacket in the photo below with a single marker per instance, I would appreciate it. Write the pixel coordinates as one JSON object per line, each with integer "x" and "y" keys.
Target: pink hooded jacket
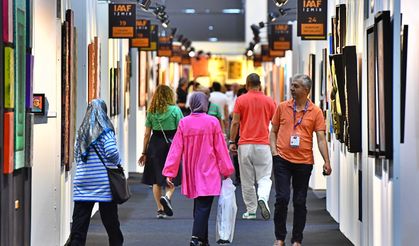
{"x": 200, "y": 144}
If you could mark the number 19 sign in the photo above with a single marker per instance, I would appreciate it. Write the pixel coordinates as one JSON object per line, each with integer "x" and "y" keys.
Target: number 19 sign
{"x": 122, "y": 20}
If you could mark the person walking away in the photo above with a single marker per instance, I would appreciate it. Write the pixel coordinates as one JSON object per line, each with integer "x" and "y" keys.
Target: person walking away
{"x": 291, "y": 140}
{"x": 253, "y": 112}
{"x": 96, "y": 136}
{"x": 221, "y": 100}
{"x": 200, "y": 144}
{"x": 162, "y": 119}
{"x": 182, "y": 95}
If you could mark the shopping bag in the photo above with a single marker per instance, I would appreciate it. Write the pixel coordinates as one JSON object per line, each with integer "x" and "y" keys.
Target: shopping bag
{"x": 226, "y": 212}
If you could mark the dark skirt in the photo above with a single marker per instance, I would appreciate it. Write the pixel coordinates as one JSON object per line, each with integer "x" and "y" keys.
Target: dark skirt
{"x": 156, "y": 157}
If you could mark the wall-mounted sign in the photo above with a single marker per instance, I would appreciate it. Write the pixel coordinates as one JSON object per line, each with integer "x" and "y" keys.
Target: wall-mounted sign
{"x": 142, "y": 34}
{"x": 312, "y": 16}
{"x": 276, "y": 53}
{"x": 265, "y": 53}
{"x": 154, "y": 38}
{"x": 186, "y": 59}
{"x": 257, "y": 60}
{"x": 122, "y": 20}
{"x": 164, "y": 47}
{"x": 280, "y": 37}
{"x": 176, "y": 54}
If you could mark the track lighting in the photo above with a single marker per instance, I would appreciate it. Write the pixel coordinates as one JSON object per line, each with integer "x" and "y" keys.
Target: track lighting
{"x": 145, "y": 4}
{"x": 280, "y": 3}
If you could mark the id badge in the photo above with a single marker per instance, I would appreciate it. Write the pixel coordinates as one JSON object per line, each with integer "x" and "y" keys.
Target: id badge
{"x": 295, "y": 141}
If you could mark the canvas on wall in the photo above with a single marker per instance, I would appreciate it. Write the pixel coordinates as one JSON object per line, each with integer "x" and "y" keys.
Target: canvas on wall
{"x": 384, "y": 58}
{"x": 371, "y": 93}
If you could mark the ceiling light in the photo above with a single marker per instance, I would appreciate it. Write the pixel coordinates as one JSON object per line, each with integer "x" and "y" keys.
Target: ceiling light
{"x": 232, "y": 11}
{"x": 189, "y": 11}
{"x": 213, "y": 39}
{"x": 280, "y": 3}
{"x": 249, "y": 52}
{"x": 145, "y": 4}
{"x": 165, "y": 23}
{"x": 255, "y": 29}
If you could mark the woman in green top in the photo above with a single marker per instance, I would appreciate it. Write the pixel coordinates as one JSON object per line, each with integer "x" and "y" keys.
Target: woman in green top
{"x": 163, "y": 117}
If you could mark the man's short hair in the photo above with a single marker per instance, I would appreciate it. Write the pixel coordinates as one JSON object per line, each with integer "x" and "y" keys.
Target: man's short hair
{"x": 304, "y": 79}
{"x": 216, "y": 86}
{"x": 253, "y": 80}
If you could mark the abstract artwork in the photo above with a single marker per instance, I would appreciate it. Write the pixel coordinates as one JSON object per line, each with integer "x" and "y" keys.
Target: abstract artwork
{"x": 8, "y": 141}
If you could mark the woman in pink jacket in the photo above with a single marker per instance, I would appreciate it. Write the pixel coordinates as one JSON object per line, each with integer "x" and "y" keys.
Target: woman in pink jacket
{"x": 200, "y": 144}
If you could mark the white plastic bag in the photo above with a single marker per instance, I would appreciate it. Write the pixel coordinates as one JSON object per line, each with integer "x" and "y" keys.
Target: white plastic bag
{"x": 226, "y": 212}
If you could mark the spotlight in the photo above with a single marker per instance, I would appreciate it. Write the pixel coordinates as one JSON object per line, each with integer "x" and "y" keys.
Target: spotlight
{"x": 280, "y": 3}
{"x": 165, "y": 23}
{"x": 282, "y": 12}
{"x": 174, "y": 30}
{"x": 145, "y": 4}
{"x": 249, "y": 52}
{"x": 273, "y": 17}
{"x": 179, "y": 38}
{"x": 255, "y": 29}
{"x": 256, "y": 39}
{"x": 192, "y": 52}
{"x": 251, "y": 45}
{"x": 186, "y": 45}
{"x": 261, "y": 24}
{"x": 200, "y": 52}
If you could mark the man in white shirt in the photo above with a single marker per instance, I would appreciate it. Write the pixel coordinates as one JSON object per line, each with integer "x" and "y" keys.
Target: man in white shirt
{"x": 219, "y": 98}
{"x": 232, "y": 96}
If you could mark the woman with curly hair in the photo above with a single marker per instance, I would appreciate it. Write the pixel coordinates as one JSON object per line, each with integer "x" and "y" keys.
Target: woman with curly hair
{"x": 163, "y": 118}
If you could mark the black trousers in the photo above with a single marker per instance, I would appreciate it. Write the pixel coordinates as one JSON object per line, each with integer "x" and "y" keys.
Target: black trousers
{"x": 81, "y": 220}
{"x": 284, "y": 171}
{"x": 201, "y": 213}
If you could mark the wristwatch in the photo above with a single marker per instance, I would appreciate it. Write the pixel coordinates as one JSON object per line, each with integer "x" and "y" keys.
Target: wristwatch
{"x": 231, "y": 142}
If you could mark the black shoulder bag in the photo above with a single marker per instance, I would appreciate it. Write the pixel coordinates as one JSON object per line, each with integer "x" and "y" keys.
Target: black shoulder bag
{"x": 117, "y": 181}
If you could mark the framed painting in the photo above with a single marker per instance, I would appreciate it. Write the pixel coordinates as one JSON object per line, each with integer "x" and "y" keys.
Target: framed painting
{"x": 19, "y": 8}
{"x": 1, "y": 85}
{"x": 312, "y": 75}
{"x": 111, "y": 92}
{"x": 8, "y": 141}
{"x": 384, "y": 59}
{"x": 371, "y": 94}
{"x": 142, "y": 79}
{"x": 338, "y": 100}
{"x": 38, "y": 102}
{"x": 340, "y": 27}
{"x": 29, "y": 140}
{"x": 127, "y": 87}
{"x": 403, "y": 74}
{"x": 353, "y": 112}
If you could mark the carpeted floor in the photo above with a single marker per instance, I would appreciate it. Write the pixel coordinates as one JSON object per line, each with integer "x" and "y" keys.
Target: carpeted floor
{"x": 141, "y": 227}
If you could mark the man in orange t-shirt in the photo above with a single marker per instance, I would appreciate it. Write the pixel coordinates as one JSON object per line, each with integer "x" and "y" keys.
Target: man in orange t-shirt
{"x": 253, "y": 112}
{"x": 291, "y": 140}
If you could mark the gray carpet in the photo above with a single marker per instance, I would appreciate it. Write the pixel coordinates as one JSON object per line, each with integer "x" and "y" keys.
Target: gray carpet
{"x": 141, "y": 227}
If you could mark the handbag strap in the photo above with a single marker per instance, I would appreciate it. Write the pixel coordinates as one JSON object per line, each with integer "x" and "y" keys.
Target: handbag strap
{"x": 164, "y": 134}
{"x": 100, "y": 157}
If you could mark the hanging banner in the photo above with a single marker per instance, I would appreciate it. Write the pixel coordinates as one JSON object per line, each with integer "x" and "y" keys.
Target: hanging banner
{"x": 164, "y": 47}
{"x": 142, "y": 34}
{"x": 276, "y": 53}
{"x": 176, "y": 54}
{"x": 186, "y": 59}
{"x": 312, "y": 16}
{"x": 257, "y": 60}
{"x": 122, "y": 20}
{"x": 280, "y": 37}
{"x": 265, "y": 53}
{"x": 154, "y": 37}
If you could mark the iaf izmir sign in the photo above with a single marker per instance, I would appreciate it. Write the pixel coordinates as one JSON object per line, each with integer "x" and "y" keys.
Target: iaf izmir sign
{"x": 312, "y": 16}
{"x": 122, "y": 20}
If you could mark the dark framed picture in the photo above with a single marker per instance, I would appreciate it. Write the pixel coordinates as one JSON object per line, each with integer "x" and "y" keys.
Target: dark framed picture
{"x": 38, "y": 103}
{"x": 338, "y": 96}
{"x": 403, "y": 74}
{"x": 371, "y": 94}
{"x": 312, "y": 74}
{"x": 340, "y": 27}
{"x": 353, "y": 95}
{"x": 384, "y": 59}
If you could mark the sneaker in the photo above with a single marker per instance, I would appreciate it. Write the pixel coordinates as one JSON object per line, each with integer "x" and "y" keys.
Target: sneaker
{"x": 167, "y": 205}
{"x": 223, "y": 242}
{"x": 161, "y": 214}
{"x": 264, "y": 209}
{"x": 249, "y": 216}
{"x": 279, "y": 243}
{"x": 198, "y": 242}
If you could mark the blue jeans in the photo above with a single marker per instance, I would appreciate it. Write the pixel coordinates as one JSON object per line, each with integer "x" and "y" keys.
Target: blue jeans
{"x": 284, "y": 171}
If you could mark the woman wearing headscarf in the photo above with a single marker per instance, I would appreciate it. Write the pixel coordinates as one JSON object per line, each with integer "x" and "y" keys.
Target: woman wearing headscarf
{"x": 95, "y": 137}
{"x": 163, "y": 117}
{"x": 200, "y": 144}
